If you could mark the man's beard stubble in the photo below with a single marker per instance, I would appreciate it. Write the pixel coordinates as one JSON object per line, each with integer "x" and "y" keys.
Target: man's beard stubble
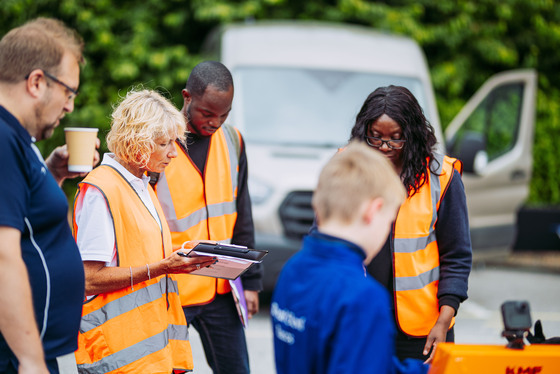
{"x": 44, "y": 130}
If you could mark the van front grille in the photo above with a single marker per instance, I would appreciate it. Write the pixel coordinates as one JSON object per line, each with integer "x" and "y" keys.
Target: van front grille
{"x": 297, "y": 214}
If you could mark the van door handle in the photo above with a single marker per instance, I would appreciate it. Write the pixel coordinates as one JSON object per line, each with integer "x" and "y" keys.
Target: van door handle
{"x": 518, "y": 175}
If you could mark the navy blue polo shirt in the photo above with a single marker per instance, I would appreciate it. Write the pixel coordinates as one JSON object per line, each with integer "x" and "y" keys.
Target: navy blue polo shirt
{"x": 32, "y": 202}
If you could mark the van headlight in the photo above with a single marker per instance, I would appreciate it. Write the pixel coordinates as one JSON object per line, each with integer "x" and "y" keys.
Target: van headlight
{"x": 259, "y": 191}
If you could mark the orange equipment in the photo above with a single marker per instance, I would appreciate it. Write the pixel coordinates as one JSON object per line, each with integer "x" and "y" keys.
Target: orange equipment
{"x": 495, "y": 359}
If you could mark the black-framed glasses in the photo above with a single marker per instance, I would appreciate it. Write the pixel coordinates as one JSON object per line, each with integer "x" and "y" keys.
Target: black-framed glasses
{"x": 73, "y": 92}
{"x": 376, "y": 142}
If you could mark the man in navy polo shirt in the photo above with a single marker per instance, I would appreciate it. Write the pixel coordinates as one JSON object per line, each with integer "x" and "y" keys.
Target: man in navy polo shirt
{"x": 41, "y": 273}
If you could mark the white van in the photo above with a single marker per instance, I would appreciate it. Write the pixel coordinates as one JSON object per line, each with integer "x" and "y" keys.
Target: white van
{"x": 298, "y": 88}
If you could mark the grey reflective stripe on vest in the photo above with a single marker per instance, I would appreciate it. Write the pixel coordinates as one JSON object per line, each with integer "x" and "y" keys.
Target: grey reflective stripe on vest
{"x": 233, "y": 157}
{"x": 164, "y": 197}
{"x": 127, "y": 302}
{"x": 213, "y": 210}
{"x": 193, "y": 219}
{"x": 435, "y": 186}
{"x": 411, "y": 245}
{"x": 137, "y": 351}
{"x": 417, "y": 282}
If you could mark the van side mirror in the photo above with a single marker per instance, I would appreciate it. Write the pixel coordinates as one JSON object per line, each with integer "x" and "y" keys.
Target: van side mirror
{"x": 480, "y": 161}
{"x": 471, "y": 150}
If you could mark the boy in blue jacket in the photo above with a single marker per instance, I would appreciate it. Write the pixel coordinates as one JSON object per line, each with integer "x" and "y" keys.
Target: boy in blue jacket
{"x": 328, "y": 314}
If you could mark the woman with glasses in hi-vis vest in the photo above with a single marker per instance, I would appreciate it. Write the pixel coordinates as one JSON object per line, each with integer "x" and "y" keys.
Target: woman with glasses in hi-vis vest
{"x": 427, "y": 258}
{"x": 132, "y": 319}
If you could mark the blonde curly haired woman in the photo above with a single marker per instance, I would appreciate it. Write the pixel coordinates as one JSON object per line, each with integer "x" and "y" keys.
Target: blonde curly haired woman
{"x": 132, "y": 320}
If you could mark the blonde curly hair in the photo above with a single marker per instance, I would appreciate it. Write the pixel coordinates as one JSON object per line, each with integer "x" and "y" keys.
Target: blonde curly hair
{"x": 141, "y": 118}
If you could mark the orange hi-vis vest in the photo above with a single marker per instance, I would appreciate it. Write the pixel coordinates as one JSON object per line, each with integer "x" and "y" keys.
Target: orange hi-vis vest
{"x": 139, "y": 329}
{"x": 202, "y": 207}
{"x": 416, "y": 253}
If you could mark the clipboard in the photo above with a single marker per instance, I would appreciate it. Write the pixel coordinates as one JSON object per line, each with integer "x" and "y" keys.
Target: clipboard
{"x": 233, "y": 260}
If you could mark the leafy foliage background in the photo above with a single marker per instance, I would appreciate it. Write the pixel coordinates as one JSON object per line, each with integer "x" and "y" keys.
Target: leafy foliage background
{"x": 156, "y": 43}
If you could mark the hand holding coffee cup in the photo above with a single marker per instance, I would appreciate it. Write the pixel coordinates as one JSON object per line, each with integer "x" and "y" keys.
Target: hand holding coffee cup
{"x": 81, "y": 143}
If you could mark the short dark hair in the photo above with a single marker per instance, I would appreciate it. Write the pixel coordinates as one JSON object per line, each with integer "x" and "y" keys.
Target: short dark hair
{"x": 400, "y": 104}
{"x": 209, "y": 73}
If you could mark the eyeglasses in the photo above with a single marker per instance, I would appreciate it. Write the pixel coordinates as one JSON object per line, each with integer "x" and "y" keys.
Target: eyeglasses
{"x": 376, "y": 142}
{"x": 73, "y": 92}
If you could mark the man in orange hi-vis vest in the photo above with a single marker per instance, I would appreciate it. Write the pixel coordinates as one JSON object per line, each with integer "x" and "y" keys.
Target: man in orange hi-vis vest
{"x": 204, "y": 196}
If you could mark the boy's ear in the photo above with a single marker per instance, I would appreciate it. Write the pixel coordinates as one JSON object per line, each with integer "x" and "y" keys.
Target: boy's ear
{"x": 373, "y": 207}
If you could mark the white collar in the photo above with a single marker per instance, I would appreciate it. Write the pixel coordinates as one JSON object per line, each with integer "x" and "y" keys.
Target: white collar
{"x": 109, "y": 159}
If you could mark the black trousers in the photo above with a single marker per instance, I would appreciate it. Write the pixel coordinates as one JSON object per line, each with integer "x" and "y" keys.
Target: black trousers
{"x": 408, "y": 347}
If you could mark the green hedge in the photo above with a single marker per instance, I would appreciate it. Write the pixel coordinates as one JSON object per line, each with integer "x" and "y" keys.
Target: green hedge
{"x": 156, "y": 43}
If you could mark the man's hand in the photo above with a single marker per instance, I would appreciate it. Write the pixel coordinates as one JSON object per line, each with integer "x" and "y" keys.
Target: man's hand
{"x": 57, "y": 162}
{"x": 252, "y": 300}
{"x": 438, "y": 333}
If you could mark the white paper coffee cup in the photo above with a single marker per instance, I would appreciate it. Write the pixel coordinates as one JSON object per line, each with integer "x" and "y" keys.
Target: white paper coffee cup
{"x": 81, "y": 148}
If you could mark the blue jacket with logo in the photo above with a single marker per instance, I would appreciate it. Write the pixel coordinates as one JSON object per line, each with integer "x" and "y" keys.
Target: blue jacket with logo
{"x": 330, "y": 316}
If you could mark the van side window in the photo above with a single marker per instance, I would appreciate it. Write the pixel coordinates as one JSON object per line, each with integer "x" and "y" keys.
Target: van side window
{"x": 494, "y": 124}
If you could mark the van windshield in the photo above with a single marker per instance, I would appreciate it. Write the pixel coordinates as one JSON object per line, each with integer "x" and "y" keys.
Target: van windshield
{"x": 305, "y": 107}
